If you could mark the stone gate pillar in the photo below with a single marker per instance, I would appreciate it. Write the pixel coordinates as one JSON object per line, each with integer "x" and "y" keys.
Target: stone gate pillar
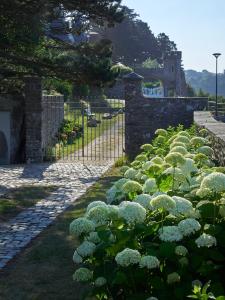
{"x": 33, "y": 111}
{"x": 133, "y": 120}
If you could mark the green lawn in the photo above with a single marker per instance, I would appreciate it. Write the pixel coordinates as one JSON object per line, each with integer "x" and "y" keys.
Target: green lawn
{"x": 20, "y": 198}
{"x": 44, "y": 271}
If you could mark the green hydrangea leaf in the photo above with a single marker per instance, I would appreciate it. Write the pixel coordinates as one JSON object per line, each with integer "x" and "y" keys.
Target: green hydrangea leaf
{"x": 165, "y": 182}
{"x": 167, "y": 250}
{"x": 208, "y": 209}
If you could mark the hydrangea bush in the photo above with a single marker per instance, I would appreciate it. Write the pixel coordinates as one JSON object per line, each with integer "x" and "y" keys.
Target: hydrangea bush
{"x": 162, "y": 226}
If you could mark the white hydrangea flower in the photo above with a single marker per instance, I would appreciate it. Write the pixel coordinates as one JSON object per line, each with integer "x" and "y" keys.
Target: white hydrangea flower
{"x": 160, "y": 140}
{"x": 193, "y": 214}
{"x": 147, "y": 147}
{"x": 149, "y": 262}
{"x": 100, "y": 281}
{"x": 132, "y": 212}
{"x": 77, "y": 258}
{"x": 147, "y": 165}
{"x": 215, "y": 182}
{"x": 144, "y": 200}
{"x": 135, "y": 165}
{"x": 155, "y": 168}
{"x": 99, "y": 215}
{"x": 152, "y": 298}
{"x": 177, "y": 173}
{"x": 203, "y": 192}
{"x": 190, "y": 155}
{"x": 119, "y": 184}
{"x": 188, "y": 167}
{"x": 222, "y": 211}
{"x": 163, "y": 202}
{"x": 86, "y": 249}
{"x": 157, "y": 160}
{"x": 181, "y": 251}
{"x": 173, "y": 278}
{"x": 141, "y": 158}
{"x": 184, "y": 133}
{"x": 198, "y": 141}
{"x": 183, "y": 261}
{"x": 113, "y": 211}
{"x": 128, "y": 257}
{"x": 93, "y": 237}
{"x": 83, "y": 275}
{"x": 179, "y": 149}
{"x": 182, "y": 139}
{"x": 95, "y": 204}
{"x": 171, "y": 140}
{"x": 81, "y": 226}
{"x": 170, "y": 234}
{"x": 144, "y": 178}
{"x": 206, "y": 150}
{"x": 156, "y": 194}
{"x": 138, "y": 176}
{"x": 111, "y": 194}
{"x": 132, "y": 186}
{"x": 189, "y": 226}
{"x": 175, "y": 159}
{"x": 161, "y": 132}
{"x": 183, "y": 206}
{"x": 173, "y": 145}
{"x": 130, "y": 174}
{"x": 123, "y": 169}
{"x": 150, "y": 186}
{"x": 206, "y": 240}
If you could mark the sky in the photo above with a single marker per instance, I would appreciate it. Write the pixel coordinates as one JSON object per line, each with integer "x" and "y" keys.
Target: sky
{"x": 196, "y": 26}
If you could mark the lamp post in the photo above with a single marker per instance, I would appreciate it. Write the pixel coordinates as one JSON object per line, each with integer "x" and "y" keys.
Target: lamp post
{"x": 217, "y": 55}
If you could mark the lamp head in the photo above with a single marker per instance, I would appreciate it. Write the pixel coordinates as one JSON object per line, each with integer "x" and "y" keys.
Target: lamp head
{"x": 216, "y": 55}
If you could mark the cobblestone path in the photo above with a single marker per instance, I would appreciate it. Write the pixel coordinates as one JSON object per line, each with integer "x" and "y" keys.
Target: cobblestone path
{"x": 72, "y": 179}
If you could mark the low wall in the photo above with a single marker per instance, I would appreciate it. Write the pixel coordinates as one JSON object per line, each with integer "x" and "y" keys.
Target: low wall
{"x": 216, "y": 133}
{"x": 145, "y": 115}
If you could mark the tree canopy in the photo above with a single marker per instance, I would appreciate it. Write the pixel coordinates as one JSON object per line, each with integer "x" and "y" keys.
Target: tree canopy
{"x": 26, "y": 50}
{"x": 134, "y": 42}
{"x": 166, "y": 46}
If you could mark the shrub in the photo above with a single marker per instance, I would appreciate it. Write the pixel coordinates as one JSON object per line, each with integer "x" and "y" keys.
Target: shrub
{"x": 163, "y": 229}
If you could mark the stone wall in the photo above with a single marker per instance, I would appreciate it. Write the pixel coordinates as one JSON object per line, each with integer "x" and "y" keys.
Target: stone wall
{"x": 33, "y": 122}
{"x": 44, "y": 115}
{"x": 53, "y": 116}
{"x": 216, "y": 133}
{"x": 145, "y": 115}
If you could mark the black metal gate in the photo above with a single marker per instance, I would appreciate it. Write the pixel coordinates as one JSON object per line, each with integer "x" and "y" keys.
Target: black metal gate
{"x": 84, "y": 130}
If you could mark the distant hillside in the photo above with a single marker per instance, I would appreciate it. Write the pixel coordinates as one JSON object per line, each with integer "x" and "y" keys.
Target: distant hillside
{"x": 206, "y": 81}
